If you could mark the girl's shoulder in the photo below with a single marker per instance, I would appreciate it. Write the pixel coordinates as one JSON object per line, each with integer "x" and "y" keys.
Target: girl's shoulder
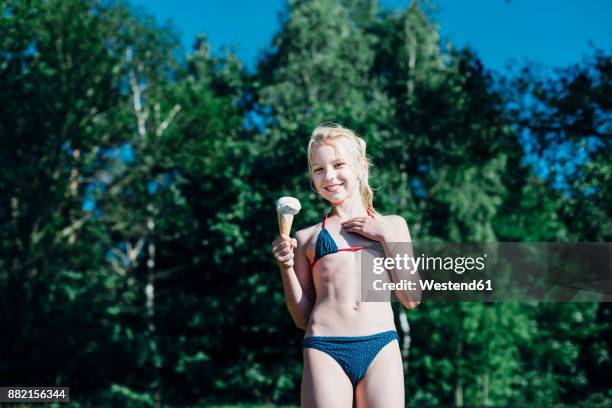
{"x": 399, "y": 226}
{"x": 308, "y": 234}
{"x": 394, "y": 219}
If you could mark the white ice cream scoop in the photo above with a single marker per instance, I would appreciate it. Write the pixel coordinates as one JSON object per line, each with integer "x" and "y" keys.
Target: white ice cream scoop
{"x": 286, "y": 208}
{"x": 288, "y": 205}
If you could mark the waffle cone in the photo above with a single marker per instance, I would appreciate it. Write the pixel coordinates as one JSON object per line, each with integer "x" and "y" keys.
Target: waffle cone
{"x": 284, "y": 224}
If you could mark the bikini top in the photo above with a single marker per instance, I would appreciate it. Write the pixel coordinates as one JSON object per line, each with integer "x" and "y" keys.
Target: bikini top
{"x": 326, "y": 245}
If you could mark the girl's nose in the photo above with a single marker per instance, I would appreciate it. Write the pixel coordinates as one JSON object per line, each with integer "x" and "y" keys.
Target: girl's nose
{"x": 330, "y": 173}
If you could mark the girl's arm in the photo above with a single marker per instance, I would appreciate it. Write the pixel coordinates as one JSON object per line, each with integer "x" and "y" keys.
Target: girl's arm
{"x": 400, "y": 235}
{"x": 392, "y": 232}
{"x": 297, "y": 278}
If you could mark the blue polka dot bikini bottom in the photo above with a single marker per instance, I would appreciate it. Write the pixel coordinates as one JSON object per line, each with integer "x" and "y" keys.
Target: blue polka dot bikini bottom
{"x": 353, "y": 353}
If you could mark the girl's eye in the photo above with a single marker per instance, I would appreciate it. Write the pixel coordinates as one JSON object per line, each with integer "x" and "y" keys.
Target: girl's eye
{"x": 317, "y": 170}
{"x": 339, "y": 165}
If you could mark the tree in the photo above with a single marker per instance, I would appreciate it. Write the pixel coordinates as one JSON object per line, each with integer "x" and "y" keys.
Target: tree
{"x": 56, "y": 98}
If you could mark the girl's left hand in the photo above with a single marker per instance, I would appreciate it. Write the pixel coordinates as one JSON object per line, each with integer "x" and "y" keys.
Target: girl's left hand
{"x": 374, "y": 228}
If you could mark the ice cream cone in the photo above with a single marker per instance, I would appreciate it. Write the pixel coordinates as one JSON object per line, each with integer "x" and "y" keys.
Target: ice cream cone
{"x": 284, "y": 224}
{"x": 286, "y": 208}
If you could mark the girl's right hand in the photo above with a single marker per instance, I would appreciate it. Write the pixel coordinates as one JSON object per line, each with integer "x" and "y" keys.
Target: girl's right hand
{"x": 282, "y": 249}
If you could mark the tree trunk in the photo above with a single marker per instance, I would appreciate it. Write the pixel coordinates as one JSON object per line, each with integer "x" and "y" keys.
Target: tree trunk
{"x": 406, "y": 339}
{"x": 458, "y": 376}
{"x": 150, "y": 306}
{"x": 485, "y": 389}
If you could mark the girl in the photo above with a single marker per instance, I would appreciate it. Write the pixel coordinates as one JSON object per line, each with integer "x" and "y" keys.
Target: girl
{"x": 350, "y": 347}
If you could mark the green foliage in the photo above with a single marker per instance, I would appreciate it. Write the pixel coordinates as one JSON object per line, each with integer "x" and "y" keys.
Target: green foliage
{"x": 137, "y": 191}
{"x": 568, "y": 117}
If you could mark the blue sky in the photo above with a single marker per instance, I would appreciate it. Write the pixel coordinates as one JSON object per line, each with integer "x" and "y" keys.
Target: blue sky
{"x": 553, "y": 33}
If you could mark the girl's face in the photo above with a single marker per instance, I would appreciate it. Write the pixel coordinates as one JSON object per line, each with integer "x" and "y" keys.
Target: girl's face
{"x": 331, "y": 173}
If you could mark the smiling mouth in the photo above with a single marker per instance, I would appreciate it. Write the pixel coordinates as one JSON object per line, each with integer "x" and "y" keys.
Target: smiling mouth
{"x": 333, "y": 187}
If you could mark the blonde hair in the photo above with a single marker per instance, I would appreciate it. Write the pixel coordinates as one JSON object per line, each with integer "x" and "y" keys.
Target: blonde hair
{"x": 331, "y": 134}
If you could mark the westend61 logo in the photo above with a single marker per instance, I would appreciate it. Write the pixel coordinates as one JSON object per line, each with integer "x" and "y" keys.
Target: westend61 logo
{"x": 428, "y": 263}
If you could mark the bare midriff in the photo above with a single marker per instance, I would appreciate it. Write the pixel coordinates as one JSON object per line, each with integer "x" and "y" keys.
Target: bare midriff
{"x": 338, "y": 310}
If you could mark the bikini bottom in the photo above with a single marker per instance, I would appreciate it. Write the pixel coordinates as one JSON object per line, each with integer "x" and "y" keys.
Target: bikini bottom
{"x": 353, "y": 353}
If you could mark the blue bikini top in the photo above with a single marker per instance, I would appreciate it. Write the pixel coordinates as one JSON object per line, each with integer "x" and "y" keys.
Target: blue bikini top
{"x": 326, "y": 245}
